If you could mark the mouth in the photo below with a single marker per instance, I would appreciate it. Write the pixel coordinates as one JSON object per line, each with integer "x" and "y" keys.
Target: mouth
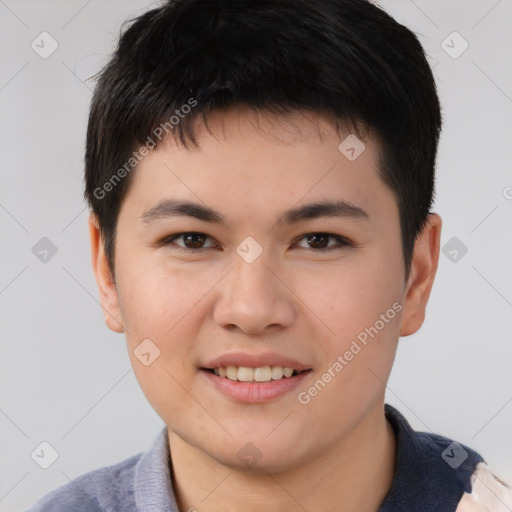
{"x": 254, "y": 378}
{"x": 254, "y": 385}
{"x": 256, "y": 375}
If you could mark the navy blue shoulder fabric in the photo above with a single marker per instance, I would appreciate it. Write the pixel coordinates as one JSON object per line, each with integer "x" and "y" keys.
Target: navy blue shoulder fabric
{"x": 432, "y": 472}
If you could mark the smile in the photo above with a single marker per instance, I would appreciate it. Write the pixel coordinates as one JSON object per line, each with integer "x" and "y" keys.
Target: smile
{"x": 259, "y": 374}
{"x": 251, "y": 391}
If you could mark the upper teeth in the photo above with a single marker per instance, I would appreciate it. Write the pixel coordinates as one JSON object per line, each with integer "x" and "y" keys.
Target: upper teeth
{"x": 260, "y": 374}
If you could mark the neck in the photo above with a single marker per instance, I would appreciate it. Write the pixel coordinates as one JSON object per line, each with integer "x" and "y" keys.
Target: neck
{"x": 355, "y": 475}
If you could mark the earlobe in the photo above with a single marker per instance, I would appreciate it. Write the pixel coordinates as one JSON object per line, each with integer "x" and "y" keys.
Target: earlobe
{"x": 421, "y": 279}
{"x": 106, "y": 286}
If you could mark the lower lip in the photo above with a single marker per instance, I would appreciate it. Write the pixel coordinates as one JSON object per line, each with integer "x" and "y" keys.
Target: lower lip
{"x": 255, "y": 392}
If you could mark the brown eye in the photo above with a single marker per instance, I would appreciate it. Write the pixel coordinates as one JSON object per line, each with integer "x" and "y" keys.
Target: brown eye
{"x": 191, "y": 240}
{"x": 320, "y": 242}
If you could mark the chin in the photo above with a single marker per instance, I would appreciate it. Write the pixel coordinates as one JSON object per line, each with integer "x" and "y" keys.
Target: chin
{"x": 273, "y": 464}
{"x": 258, "y": 455}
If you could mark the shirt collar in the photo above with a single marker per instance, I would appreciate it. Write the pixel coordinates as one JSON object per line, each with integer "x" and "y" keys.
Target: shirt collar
{"x": 430, "y": 470}
{"x": 153, "y": 485}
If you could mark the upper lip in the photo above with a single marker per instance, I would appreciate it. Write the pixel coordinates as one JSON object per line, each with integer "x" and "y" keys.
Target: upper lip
{"x": 255, "y": 361}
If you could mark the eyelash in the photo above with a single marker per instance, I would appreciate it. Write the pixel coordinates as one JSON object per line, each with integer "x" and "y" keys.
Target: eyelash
{"x": 342, "y": 242}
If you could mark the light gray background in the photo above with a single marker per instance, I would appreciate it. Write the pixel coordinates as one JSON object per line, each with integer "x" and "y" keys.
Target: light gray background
{"x": 66, "y": 379}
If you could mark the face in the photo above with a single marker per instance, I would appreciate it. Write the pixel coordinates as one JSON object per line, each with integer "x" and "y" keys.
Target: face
{"x": 255, "y": 276}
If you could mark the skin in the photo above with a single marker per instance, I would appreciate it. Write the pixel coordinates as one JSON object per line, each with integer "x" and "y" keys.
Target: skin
{"x": 295, "y": 299}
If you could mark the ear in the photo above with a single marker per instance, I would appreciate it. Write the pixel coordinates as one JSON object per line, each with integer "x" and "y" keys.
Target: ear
{"x": 421, "y": 278}
{"x": 108, "y": 293}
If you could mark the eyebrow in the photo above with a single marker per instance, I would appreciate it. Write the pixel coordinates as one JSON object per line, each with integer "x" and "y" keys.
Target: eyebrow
{"x": 169, "y": 208}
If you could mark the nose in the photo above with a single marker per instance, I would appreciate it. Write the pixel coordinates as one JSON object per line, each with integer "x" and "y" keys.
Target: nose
{"x": 254, "y": 298}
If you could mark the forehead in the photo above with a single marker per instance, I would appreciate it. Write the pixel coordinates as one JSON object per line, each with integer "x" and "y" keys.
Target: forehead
{"x": 252, "y": 162}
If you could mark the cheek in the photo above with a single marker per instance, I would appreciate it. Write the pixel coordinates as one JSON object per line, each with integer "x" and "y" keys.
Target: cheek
{"x": 159, "y": 309}
{"x": 357, "y": 358}
{"x": 361, "y": 311}
{"x": 348, "y": 299}
{"x": 157, "y": 299}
